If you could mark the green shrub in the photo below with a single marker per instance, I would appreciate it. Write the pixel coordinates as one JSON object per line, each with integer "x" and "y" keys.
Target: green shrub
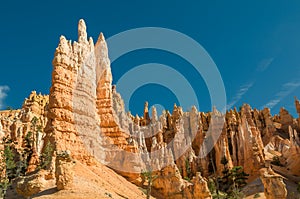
{"x": 187, "y": 178}
{"x": 233, "y": 180}
{"x": 4, "y": 181}
{"x": 211, "y": 185}
{"x": 276, "y": 161}
{"x": 46, "y": 156}
{"x": 148, "y": 177}
{"x": 257, "y": 195}
{"x": 236, "y": 194}
{"x": 188, "y": 168}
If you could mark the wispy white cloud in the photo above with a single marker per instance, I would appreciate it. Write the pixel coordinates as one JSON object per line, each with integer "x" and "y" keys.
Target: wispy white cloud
{"x": 242, "y": 91}
{"x": 286, "y": 89}
{"x": 3, "y": 95}
{"x": 264, "y": 64}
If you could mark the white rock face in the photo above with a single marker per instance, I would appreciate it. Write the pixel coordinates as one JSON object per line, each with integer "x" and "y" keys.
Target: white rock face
{"x": 1, "y": 132}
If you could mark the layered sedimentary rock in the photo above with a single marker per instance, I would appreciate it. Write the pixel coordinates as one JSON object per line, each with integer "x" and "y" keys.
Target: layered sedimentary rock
{"x": 32, "y": 184}
{"x": 85, "y": 114}
{"x": 18, "y": 122}
{"x": 87, "y": 117}
{"x": 253, "y": 146}
{"x": 81, "y": 99}
{"x": 64, "y": 170}
{"x": 29, "y": 121}
{"x": 72, "y": 78}
{"x": 274, "y": 186}
{"x": 119, "y": 145}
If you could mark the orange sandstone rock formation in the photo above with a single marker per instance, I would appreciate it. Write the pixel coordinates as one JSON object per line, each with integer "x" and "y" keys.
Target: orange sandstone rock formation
{"x": 273, "y": 184}
{"x": 84, "y": 114}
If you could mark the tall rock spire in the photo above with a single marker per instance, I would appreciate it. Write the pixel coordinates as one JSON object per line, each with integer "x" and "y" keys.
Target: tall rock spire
{"x": 82, "y": 34}
{"x": 81, "y": 104}
{"x": 72, "y": 95}
{"x": 146, "y": 113}
{"x": 297, "y": 104}
{"x": 154, "y": 114}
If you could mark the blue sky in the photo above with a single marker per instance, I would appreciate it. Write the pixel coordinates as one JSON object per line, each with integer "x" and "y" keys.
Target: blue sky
{"x": 255, "y": 45}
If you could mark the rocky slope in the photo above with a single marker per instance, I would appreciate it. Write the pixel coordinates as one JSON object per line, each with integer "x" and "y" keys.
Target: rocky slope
{"x": 84, "y": 121}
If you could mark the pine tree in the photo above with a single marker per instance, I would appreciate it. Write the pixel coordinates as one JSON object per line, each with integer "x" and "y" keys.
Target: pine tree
{"x": 239, "y": 177}
{"x": 225, "y": 179}
{"x": 46, "y": 156}
{"x": 4, "y": 181}
{"x": 149, "y": 177}
{"x": 9, "y": 159}
{"x": 233, "y": 180}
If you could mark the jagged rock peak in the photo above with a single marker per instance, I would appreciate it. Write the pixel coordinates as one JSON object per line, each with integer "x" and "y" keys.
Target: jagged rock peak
{"x": 64, "y": 46}
{"x": 101, "y": 37}
{"x": 297, "y": 104}
{"x": 102, "y": 59}
{"x": 154, "y": 114}
{"x": 82, "y": 34}
{"x": 101, "y": 41}
{"x": 146, "y": 111}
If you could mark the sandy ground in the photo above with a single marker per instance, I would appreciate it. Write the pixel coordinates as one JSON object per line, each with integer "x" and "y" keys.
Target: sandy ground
{"x": 94, "y": 182}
